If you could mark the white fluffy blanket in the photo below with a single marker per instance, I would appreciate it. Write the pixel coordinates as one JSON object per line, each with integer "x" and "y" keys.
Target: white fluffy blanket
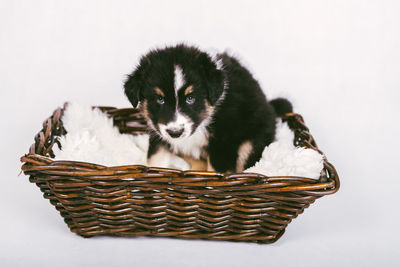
{"x": 92, "y": 138}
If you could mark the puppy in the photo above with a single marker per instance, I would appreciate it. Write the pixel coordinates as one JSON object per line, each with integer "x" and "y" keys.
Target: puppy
{"x": 203, "y": 107}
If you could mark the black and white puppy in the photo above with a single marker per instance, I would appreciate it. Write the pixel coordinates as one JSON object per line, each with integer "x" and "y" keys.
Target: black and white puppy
{"x": 202, "y": 107}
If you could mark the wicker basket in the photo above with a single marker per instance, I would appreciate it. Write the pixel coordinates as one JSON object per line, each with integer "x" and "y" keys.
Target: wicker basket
{"x": 138, "y": 200}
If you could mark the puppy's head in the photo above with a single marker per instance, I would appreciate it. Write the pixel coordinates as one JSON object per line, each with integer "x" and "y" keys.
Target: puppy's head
{"x": 177, "y": 88}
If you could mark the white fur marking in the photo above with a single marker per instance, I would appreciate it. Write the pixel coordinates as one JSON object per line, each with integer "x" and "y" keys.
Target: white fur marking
{"x": 181, "y": 122}
{"x": 215, "y": 57}
{"x": 219, "y": 64}
{"x": 179, "y": 79}
{"x": 188, "y": 145}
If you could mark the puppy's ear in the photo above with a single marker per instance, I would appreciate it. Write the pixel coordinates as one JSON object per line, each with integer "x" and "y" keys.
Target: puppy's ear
{"x": 133, "y": 86}
{"x": 214, "y": 78}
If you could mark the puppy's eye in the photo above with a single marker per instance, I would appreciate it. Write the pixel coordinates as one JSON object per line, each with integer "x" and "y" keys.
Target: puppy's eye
{"x": 190, "y": 100}
{"x": 160, "y": 100}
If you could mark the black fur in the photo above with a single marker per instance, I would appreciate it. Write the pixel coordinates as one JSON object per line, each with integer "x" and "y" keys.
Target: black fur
{"x": 281, "y": 106}
{"x": 241, "y": 110}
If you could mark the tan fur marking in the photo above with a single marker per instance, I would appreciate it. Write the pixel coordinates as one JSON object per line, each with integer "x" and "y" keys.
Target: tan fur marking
{"x": 244, "y": 152}
{"x": 189, "y": 90}
{"x": 209, "y": 110}
{"x": 196, "y": 164}
{"x": 145, "y": 113}
{"x": 159, "y": 91}
{"x": 144, "y": 110}
{"x": 209, "y": 166}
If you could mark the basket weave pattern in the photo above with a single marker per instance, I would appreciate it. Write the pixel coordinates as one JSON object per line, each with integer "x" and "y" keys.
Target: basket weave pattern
{"x": 137, "y": 200}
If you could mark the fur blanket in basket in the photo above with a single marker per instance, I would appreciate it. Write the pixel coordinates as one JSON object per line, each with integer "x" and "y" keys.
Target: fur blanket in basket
{"x": 92, "y": 138}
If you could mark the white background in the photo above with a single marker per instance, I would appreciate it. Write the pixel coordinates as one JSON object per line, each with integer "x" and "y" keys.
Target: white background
{"x": 338, "y": 61}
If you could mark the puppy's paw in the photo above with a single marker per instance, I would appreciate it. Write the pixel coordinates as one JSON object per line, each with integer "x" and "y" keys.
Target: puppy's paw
{"x": 178, "y": 163}
{"x": 165, "y": 159}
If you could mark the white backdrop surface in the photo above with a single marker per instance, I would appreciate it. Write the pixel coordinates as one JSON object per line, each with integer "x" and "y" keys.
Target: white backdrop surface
{"x": 337, "y": 61}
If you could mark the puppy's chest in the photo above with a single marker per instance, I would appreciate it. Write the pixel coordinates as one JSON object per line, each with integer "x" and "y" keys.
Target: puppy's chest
{"x": 192, "y": 146}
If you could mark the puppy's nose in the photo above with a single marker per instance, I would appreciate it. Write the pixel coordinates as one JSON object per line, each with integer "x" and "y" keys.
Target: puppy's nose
{"x": 175, "y": 132}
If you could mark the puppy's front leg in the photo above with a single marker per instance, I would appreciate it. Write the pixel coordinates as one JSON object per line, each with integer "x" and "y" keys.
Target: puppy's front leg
{"x": 222, "y": 156}
{"x": 160, "y": 156}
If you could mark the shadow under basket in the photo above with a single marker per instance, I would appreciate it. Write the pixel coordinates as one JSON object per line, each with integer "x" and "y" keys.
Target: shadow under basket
{"x": 138, "y": 200}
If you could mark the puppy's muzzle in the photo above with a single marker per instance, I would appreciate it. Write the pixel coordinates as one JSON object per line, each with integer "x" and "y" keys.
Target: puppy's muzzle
{"x": 175, "y": 132}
